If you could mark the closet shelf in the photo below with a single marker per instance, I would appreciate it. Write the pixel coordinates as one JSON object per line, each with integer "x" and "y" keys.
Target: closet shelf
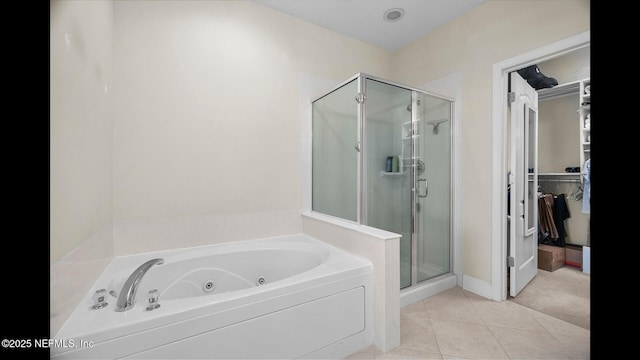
{"x": 558, "y": 174}
{"x": 585, "y": 131}
{"x": 567, "y": 89}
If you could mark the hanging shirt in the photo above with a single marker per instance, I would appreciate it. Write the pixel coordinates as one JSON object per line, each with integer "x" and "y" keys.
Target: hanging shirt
{"x": 586, "y": 192}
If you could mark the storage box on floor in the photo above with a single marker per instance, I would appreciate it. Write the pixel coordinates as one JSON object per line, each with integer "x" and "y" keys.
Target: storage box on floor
{"x": 574, "y": 256}
{"x": 551, "y": 258}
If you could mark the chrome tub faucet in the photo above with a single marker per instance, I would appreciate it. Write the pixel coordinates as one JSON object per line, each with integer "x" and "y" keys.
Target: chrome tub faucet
{"x": 126, "y": 297}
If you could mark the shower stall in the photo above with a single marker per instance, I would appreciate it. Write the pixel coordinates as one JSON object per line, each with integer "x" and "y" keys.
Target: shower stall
{"x": 381, "y": 156}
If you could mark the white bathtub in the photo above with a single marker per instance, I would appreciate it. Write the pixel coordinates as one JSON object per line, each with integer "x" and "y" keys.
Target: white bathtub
{"x": 315, "y": 302}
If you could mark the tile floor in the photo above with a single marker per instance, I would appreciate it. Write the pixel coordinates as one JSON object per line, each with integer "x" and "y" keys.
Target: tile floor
{"x": 457, "y": 324}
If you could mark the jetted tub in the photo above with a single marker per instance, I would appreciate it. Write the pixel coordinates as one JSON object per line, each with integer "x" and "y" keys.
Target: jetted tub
{"x": 283, "y": 297}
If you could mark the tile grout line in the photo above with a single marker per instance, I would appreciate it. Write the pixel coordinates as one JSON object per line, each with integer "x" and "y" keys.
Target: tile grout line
{"x": 488, "y": 328}
{"x": 426, "y": 310}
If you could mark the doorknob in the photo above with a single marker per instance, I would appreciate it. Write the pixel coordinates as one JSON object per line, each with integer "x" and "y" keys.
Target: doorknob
{"x": 426, "y": 188}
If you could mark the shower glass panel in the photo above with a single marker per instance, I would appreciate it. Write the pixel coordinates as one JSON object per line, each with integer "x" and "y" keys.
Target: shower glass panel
{"x": 388, "y": 193}
{"x": 433, "y": 178}
{"x": 334, "y": 159}
{"x": 381, "y": 157}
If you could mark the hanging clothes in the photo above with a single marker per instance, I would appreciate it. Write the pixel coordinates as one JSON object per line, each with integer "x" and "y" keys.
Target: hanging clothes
{"x": 560, "y": 214}
{"x": 586, "y": 188}
{"x": 552, "y": 212}
{"x": 547, "y": 227}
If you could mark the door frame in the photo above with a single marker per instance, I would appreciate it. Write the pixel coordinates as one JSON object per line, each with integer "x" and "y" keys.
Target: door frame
{"x": 499, "y": 149}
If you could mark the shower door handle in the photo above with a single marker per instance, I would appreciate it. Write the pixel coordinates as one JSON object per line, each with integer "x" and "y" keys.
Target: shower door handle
{"x": 357, "y": 146}
{"x": 426, "y": 188}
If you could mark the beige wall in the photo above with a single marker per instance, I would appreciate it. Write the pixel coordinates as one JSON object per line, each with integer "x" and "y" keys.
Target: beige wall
{"x": 558, "y": 134}
{"x": 81, "y": 143}
{"x": 81, "y": 121}
{"x": 471, "y": 44}
{"x": 569, "y": 67}
{"x": 207, "y": 117}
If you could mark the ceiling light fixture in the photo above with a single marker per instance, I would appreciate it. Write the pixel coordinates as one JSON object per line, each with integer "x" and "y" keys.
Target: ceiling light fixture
{"x": 394, "y": 14}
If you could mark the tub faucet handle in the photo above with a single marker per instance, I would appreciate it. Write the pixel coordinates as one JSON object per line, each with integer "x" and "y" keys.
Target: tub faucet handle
{"x": 99, "y": 299}
{"x": 153, "y": 297}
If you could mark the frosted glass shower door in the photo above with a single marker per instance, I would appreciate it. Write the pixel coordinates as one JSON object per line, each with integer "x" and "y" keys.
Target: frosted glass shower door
{"x": 432, "y": 125}
{"x": 335, "y": 154}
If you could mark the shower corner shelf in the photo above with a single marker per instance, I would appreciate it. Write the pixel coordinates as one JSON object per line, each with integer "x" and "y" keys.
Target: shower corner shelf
{"x": 399, "y": 173}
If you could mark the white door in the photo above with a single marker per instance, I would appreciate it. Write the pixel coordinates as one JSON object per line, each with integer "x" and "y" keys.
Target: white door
{"x": 523, "y": 239}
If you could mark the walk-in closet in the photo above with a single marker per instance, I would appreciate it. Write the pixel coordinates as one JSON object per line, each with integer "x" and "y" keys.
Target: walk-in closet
{"x": 564, "y": 149}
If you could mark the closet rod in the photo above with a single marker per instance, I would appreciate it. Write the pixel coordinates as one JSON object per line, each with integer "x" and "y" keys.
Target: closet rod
{"x": 560, "y": 180}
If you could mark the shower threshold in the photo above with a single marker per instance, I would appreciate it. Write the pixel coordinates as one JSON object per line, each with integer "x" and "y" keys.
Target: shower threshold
{"x": 428, "y": 288}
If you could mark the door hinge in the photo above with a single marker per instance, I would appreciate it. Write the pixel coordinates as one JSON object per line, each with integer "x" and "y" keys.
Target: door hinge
{"x": 360, "y": 98}
{"x": 511, "y": 97}
{"x": 511, "y": 261}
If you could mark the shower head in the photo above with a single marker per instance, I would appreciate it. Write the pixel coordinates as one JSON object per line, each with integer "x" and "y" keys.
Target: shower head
{"x": 435, "y": 124}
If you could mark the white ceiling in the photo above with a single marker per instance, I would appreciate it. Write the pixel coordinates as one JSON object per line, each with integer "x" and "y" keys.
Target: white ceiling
{"x": 363, "y": 19}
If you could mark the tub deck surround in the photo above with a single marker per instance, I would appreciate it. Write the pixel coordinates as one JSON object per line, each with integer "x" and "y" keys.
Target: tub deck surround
{"x": 305, "y": 279}
{"x": 382, "y": 248}
{"x": 72, "y": 276}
